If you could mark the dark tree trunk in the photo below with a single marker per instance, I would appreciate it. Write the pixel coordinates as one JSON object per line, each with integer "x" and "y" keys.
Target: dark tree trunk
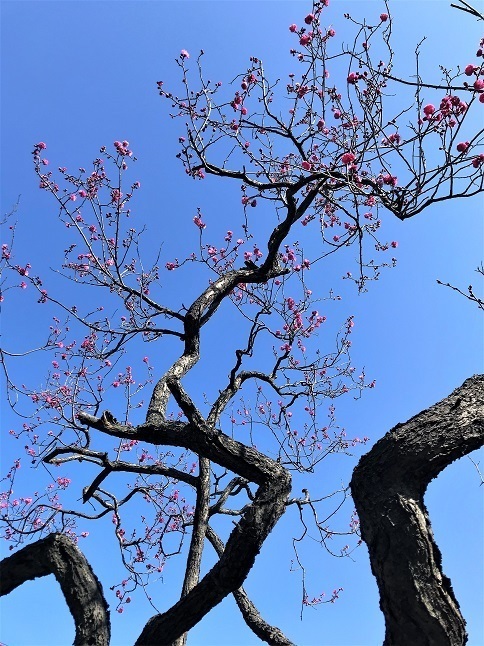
{"x": 388, "y": 486}
{"x": 58, "y": 555}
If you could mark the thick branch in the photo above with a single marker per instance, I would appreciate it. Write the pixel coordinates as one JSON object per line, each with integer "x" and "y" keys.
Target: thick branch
{"x": 230, "y": 571}
{"x": 248, "y": 535}
{"x": 388, "y": 486}
{"x": 260, "y": 627}
{"x": 58, "y": 555}
{"x": 200, "y": 524}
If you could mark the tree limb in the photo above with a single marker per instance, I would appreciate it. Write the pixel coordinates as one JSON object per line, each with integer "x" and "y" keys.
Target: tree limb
{"x": 252, "y": 617}
{"x": 388, "y": 486}
{"x": 200, "y": 524}
{"x": 58, "y": 555}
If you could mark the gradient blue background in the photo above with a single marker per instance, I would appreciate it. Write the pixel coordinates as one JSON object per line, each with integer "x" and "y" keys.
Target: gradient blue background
{"x": 81, "y": 74}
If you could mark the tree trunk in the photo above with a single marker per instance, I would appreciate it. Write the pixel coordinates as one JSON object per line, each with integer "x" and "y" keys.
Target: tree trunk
{"x": 58, "y": 555}
{"x": 388, "y": 486}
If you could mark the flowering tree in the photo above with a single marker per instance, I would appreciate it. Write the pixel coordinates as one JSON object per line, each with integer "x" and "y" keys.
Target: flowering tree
{"x": 316, "y": 157}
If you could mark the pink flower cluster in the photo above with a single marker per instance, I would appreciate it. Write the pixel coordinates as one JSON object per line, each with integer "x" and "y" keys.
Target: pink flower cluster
{"x": 450, "y": 109}
{"x": 353, "y": 78}
{"x": 478, "y": 161}
{"x": 198, "y": 222}
{"x": 122, "y": 148}
{"x": 392, "y": 140}
{"x": 348, "y": 158}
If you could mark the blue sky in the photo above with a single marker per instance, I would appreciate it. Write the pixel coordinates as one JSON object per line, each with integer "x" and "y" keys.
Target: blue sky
{"x": 78, "y": 75}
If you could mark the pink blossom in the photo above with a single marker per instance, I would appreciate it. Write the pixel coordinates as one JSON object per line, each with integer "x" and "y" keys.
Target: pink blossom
{"x": 116, "y": 196}
{"x": 481, "y": 98}
{"x": 383, "y": 17}
{"x": 352, "y": 78}
{"x": 348, "y": 158}
{"x": 306, "y": 165}
{"x": 305, "y": 39}
{"x": 479, "y": 85}
{"x": 469, "y": 70}
{"x": 463, "y": 146}
{"x": 41, "y": 145}
{"x": 309, "y": 18}
{"x": 293, "y": 28}
{"x": 477, "y": 161}
{"x": 184, "y": 53}
{"x": 394, "y": 244}
{"x": 337, "y": 114}
{"x": 199, "y": 222}
{"x": 331, "y": 33}
{"x": 391, "y": 180}
{"x": 429, "y": 109}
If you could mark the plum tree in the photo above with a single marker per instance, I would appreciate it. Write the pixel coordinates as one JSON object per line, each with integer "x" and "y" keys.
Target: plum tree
{"x": 328, "y": 159}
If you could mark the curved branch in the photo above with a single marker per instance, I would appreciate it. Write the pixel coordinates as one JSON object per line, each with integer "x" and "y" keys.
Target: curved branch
{"x": 248, "y": 535}
{"x": 252, "y": 617}
{"x": 59, "y": 556}
{"x": 388, "y": 486}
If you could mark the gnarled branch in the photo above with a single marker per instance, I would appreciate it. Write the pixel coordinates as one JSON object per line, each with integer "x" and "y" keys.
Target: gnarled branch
{"x": 58, "y": 555}
{"x": 388, "y": 486}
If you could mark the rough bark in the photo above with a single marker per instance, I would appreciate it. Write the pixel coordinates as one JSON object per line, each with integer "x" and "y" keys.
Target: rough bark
{"x": 252, "y": 617}
{"x": 230, "y": 571}
{"x": 249, "y": 533}
{"x": 200, "y": 524}
{"x": 388, "y": 486}
{"x": 56, "y": 554}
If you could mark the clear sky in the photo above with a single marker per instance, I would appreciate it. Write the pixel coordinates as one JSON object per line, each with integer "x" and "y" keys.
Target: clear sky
{"x": 78, "y": 75}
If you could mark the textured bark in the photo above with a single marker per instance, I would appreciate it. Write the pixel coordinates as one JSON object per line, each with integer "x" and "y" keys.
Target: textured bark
{"x": 252, "y": 617}
{"x": 249, "y": 533}
{"x": 58, "y": 555}
{"x": 388, "y": 486}
{"x": 200, "y": 524}
{"x": 230, "y": 571}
